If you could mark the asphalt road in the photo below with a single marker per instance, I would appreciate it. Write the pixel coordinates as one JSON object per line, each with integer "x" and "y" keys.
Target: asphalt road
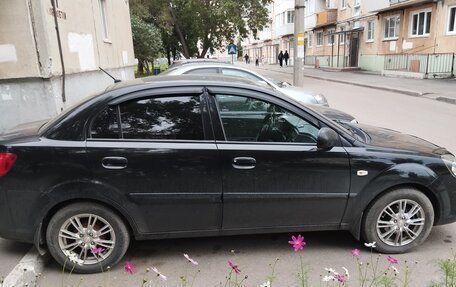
{"x": 425, "y": 118}
{"x": 10, "y": 254}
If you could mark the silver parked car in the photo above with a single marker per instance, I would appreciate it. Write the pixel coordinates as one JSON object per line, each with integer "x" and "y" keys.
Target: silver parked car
{"x": 312, "y": 99}
{"x": 296, "y": 93}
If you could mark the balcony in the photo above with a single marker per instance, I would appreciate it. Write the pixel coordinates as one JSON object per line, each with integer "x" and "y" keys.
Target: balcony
{"x": 327, "y": 17}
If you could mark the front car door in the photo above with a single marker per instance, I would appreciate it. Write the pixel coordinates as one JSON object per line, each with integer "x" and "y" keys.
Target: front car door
{"x": 156, "y": 149}
{"x": 273, "y": 173}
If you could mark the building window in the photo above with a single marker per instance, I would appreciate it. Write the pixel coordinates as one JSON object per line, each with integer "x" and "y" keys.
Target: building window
{"x": 452, "y": 21}
{"x": 357, "y": 7}
{"x": 421, "y": 23}
{"x": 343, "y": 4}
{"x": 319, "y": 38}
{"x": 104, "y": 19}
{"x": 290, "y": 17}
{"x": 331, "y": 37}
{"x": 370, "y": 31}
{"x": 342, "y": 36}
{"x": 309, "y": 39}
{"x": 392, "y": 27}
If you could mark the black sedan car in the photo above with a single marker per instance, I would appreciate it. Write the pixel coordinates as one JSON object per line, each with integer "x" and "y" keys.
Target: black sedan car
{"x": 211, "y": 155}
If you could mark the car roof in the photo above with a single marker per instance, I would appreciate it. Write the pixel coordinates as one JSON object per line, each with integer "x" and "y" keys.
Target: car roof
{"x": 190, "y": 80}
{"x": 190, "y": 61}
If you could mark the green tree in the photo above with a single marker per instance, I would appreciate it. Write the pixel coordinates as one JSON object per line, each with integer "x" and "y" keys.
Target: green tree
{"x": 195, "y": 27}
{"x": 147, "y": 43}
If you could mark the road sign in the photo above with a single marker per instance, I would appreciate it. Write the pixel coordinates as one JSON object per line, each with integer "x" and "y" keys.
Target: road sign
{"x": 232, "y": 49}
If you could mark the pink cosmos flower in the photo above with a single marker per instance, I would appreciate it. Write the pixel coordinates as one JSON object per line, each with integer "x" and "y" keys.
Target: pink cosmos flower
{"x": 96, "y": 251}
{"x": 356, "y": 252}
{"x": 340, "y": 278}
{"x": 234, "y": 267}
{"x": 190, "y": 259}
{"x": 298, "y": 243}
{"x": 129, "y": 267}
{"x": 392, "y": 260}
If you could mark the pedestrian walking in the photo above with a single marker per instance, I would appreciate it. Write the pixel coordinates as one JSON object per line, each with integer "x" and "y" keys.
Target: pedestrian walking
{"x": 280, "y": 57}
{"x": 257, "y": 62}
{"x": 286, "y": 56}
{"x": 246, "y": 57}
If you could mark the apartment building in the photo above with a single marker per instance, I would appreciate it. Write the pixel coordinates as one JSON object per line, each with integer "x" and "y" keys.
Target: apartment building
{"x": 50, "y": 52}
{"x": 392, "y": 36}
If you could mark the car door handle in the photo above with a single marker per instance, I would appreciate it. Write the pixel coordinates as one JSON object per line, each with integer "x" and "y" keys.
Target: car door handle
{"x": 244, "y": 162}
{"x": 114, "y": 162}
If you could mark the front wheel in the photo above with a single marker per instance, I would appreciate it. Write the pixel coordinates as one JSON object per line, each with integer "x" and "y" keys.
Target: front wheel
{"x": 87, "y": 237}
{"x": 399, "y": 220}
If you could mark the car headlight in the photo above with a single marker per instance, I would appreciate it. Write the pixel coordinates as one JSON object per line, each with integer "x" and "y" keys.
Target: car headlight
{"x": 450, "y": 162}
{"x": 321, "y": 100}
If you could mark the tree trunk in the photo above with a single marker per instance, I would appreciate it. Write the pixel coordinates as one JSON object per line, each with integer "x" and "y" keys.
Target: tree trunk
{"x": 140, "y": 67}
{"x": 168, "y": 55}
{"x": 179, "y": 34}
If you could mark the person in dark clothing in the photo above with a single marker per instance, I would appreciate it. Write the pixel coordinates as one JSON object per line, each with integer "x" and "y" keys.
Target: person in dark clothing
{"x": 257, "y": 62}
{"x": 246, "y": 57}
{"x": 280, "y": 57}
{"x": 286, "y": 56}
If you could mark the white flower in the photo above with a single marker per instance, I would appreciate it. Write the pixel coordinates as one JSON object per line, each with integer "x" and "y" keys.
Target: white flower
{"x": 159, "y": 273}
{"x": 190, "y": 259}
{"x": 330, "y": 270}
{"x": 328, "y": 278}
{"x": 346, "y": 273}
{"x": 395, "y": 269}
{"x": 73, "y": 257}
{"x": 371, "y": 245}
{"x": 266, "y": 284}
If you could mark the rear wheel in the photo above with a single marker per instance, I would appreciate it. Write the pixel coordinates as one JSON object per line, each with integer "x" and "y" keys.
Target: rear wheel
{"x": 87, "y": 237}
{"x": 399, "y": 220}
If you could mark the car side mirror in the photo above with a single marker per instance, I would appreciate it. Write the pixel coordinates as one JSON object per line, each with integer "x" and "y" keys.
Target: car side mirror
{"x": 327, "y": 139}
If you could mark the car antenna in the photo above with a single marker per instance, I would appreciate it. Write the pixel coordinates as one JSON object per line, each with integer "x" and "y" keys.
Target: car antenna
{"x": 115, "y": 80}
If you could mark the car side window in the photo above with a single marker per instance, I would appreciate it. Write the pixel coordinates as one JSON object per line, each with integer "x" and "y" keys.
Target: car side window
{"x": 177, "y": 117}
{"x": 202, "y": 71}
{"x": 106, "y": 124}
{"x": 174, "y": 117}
{"x": 239, "y": 73}
{"x": 252, "y": 120}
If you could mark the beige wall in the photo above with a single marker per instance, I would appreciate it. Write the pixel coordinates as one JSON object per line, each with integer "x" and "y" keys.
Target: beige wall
{"x": 17, "y": 48}
{"x": 436, "y": 42}
{"x": 84, "y": 47}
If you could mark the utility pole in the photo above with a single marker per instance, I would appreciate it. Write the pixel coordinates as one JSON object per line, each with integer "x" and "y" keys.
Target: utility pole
{"x": 298, "y": 55}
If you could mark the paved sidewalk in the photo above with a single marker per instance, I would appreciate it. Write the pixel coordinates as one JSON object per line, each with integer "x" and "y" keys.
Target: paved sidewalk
{"x": 438, "y": 89}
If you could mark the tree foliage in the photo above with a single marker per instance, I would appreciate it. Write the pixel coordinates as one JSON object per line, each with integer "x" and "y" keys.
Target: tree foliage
{"x": 147, "y": 42}
{"x": 194, "y": 27}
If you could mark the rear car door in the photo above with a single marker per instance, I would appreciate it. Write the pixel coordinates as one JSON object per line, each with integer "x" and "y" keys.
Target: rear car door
{"x": 156, "y": 149}
{"x": 273, "y": 173}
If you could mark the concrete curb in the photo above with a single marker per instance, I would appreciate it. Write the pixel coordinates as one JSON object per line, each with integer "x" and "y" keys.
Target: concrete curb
{"x": 27, "y": 271}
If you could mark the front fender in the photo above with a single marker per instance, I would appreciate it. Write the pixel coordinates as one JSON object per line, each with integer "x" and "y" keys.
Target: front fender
{"x": 396, "y": 176}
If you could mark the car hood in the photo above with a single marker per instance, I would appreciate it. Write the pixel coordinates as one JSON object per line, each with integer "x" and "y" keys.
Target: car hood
{"x": 333, "y": 114}
{"x": 382, "y": 137}
{"x": 300, "y": 94}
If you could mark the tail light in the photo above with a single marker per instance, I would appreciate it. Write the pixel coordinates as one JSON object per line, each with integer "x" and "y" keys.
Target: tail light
{"x": 7, "y": 161}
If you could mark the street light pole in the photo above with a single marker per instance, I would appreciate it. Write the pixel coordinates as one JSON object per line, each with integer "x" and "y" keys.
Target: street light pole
{"x": 298, "y": 55}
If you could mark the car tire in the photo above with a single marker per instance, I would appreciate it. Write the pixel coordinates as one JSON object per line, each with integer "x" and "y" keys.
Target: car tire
{"x": 398, "y": 221}
{"x": 78, "y": 229}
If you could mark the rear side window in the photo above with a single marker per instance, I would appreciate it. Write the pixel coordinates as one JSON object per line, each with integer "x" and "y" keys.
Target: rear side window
{"x": 106, "y": 125}
{"x": 152, "y": 118}
{"x": 242, "y": 74}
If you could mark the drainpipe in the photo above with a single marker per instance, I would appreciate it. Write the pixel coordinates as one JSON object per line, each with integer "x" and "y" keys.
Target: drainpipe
{"x": 60, "y": 49}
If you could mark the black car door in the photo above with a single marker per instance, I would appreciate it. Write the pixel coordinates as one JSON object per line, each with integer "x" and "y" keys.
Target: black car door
{"x": 273, "y": 173}
{"x": 161, "y": 159}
